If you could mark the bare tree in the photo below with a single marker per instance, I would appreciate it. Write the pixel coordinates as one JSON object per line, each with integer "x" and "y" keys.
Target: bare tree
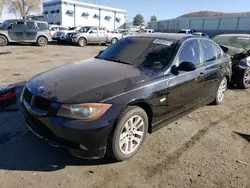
{"x": 24, "y": 7}
{"x": 2, "y": 4}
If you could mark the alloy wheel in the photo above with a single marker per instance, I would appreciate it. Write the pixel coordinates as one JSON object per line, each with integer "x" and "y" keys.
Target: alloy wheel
{"x": 131, "y": 135}
{"x": 222, "y": 89}
{"x": 247, "y": 78}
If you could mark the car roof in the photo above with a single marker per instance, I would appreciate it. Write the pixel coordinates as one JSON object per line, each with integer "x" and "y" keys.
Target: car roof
{"x": 234, "y": 35}
{"x": 171, "y": 36}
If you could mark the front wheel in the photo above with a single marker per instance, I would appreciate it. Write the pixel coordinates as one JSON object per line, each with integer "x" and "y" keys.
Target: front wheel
{"x": 114, "y": 40}
{"x": 221, "y": 92}
{"x": 245, "y": 79}
{"x": 42, "y": 41}
{"x": 82, "y": 42}
{"x": 130, "y": 132}
{"x": 3, "y": 40}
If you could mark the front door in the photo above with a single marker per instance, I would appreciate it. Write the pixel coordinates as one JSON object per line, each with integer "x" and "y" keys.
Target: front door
{"x": 93, "y": 35}
{"x": 186, "y": 88}
{"x": 16, "y": 31}
{"x": 31, "y": 31}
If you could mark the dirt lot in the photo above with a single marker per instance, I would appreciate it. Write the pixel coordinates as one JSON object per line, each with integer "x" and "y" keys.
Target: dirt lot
{"x": 208, "y": 148}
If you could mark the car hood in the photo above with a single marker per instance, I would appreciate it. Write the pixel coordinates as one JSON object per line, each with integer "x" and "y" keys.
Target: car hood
{"x": 92, "y": 80}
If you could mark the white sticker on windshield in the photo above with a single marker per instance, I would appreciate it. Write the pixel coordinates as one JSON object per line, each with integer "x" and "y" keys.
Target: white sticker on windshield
{"x": 164, "y": 42}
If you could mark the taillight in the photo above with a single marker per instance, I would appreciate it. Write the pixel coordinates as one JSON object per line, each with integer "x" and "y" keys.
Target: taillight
{"x": 49, "y": 33}
{"x": 122, "y": 35}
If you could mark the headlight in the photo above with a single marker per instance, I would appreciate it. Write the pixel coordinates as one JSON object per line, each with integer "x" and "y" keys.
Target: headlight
{"x": 88, "y": 111}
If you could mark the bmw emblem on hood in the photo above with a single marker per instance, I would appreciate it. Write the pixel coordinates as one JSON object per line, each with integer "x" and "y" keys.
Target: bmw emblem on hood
{"x": 40, "y": 89}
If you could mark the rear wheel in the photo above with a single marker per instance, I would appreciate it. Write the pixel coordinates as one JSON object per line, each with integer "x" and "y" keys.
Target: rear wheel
{"x": 3, "y": 40}
{"x": 245, "y": 79}
{"x": 82, "y": 42}
{"x": 128, "y": 136}
{"x": 221, "y": 92}
{"x": 42, "y": 41}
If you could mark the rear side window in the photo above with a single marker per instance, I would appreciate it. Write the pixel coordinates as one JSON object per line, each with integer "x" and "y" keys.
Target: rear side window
{"x": 211, "y": 52}
{"x": 190, "y": 51}
{"x": 31, "y": 25}
{"x": 203, "y": 34}
{"x": 42, "y": 26}
{"x": 101, "y": 30}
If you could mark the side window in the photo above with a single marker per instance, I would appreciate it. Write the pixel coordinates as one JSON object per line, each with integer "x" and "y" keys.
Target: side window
{"x": 31, "y": 25}
{"x": 218, "y": 51}
{"x": 203, "y": 34}
{"x": 42, "y": 26}
{"x": 19, "y": 26}
{"x": 190, "y": 51}
{"x": 209, "y": 51}
{"x": 94, "y": 30}
{"x": 101, "y": 30}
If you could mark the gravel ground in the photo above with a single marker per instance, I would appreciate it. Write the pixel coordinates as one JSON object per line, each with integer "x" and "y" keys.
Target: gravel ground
{"x": 208, "y": 148}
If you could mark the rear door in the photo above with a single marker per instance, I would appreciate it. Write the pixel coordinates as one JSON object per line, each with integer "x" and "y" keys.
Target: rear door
{"x": 93, "y": 35}
{"x": 214, "y": 63}
{"x": 102, "y": 34}
{"x": 31, "y": 31}
{"x": 186, "y": 88}
{"x": 17, "y": 31}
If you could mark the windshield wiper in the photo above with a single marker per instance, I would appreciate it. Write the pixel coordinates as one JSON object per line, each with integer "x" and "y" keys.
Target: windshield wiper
{"x": 115, "y": 60}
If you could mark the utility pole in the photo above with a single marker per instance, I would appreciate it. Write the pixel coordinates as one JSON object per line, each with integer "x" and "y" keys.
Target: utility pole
{"x": 95, "y": 1}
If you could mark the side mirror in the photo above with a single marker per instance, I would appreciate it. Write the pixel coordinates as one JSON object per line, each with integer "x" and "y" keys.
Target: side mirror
{"x": 91, "y": 32}
{"x": 100, "y": 52}
{"x": 10, "y": 26}
{"x": 186, "y": 66}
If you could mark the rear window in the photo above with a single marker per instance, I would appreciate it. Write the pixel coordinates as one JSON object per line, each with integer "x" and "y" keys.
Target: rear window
{"x": 146, "y": 52}
{"x": 42, "y": 26}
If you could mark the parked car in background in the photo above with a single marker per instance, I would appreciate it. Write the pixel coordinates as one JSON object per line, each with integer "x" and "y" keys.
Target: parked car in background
{"x": 187, "y": 31}
{"x": 107, "y": 104}
{"x": 147, "y": 31}
{"x": 56, "y": 28}
{"x": 238, "y": 47}
{"x": 21, "y": 31}
{"x": 130, "y": 33}
{"x": 201, "y": 34}
{"x": 89, "y": 34}
{"x": 62, "y": 36}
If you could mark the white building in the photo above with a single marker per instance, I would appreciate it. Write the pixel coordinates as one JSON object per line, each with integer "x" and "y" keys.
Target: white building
{"x": 72, "y": 13}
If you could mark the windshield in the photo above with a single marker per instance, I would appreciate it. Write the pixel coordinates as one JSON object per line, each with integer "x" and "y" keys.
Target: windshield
{"x": 4, "y": 24}
{"x": 138, "y": 51}
{"x": 182, "y": 32}
{"x": 72, "y": 28}
{"x": 234, "y": 41}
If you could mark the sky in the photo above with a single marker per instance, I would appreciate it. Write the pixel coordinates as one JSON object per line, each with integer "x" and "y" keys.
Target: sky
{"x": 167, "y": 9}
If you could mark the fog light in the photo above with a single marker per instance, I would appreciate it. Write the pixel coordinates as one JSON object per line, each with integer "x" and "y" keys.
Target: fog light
{"x": 83, "y": 147}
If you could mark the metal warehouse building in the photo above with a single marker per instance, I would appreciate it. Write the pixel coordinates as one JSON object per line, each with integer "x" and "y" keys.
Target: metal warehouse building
{"x": 211, "y": 25}
{"x": 74, "y": 13}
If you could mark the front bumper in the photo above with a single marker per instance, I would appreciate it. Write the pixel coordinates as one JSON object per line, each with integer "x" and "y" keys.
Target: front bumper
{"x": 69, "y": 134}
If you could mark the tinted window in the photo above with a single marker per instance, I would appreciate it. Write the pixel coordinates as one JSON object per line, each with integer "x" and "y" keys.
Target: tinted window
{"x": 84, "y": 29}
{"x": 209, "y": 50}
{"x": 203, "y": 34}
{"x": 146, "y": 52}
{"x": 42, "y": 26}
{"x": 19, "y": 25}
{"x": 190, "y": 52}
{"x": 31, "y": 25}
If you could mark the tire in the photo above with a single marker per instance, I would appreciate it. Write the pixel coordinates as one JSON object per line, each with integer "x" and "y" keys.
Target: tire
{"x": 114, "y": 40}
{"x": 120, "y": 148}
{"x": 42, "y": 41}
{"x": 3, "y": 40}
{"x": 82, "y": 42}
{"x": 103, "y": 44}
{"x": 221, "y": 92}
{"x": 244, "y": 82}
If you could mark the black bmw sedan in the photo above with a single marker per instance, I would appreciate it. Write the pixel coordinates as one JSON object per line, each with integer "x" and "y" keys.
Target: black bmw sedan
{"x": 107, "y": 104}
